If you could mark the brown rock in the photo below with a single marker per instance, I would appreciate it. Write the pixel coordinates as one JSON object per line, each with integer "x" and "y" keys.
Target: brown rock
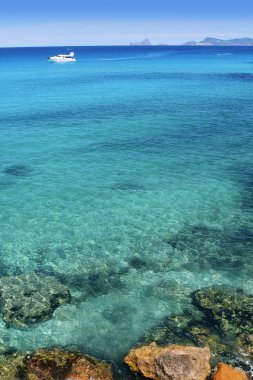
{"x": 58, "y": 364}
{"x": 87, "y": 368}
{"x": 170, "y": 362}
{"x": 50, "y": 364}
{"x": 225, "y": 372}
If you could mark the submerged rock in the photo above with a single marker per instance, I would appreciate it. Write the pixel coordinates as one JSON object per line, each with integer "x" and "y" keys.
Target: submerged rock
{"x": 225, "y": 372}
{"x": 175, "y": 329}
{"x": 58, "y": 364}
{"x": 229, "y": 308}
{"x": 10, "y": 366}
{"x": 170, "y": 362}
{"x": 18, "y": 170}
{"x": 99, "y": 275}
{"x": 205, "y": 247}
{"x": 192, "y": 328}
{"x": 30, "y": 298}
{"x": 245, "y": 348}
{"x": 221, "y": 318}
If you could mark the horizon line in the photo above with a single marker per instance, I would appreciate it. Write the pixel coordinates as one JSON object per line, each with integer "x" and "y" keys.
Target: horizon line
{"x": 120, "y": 45}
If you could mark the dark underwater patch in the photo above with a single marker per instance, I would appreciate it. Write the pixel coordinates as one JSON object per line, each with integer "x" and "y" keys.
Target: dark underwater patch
{"x": 5, "y": 184}
{"x": 162, "y": 76}
{"x": 244, "y": 77}
{"x": 243, "y": 176}
{"x": 89, "y": 286}
{"x": 18, "y": 170}
{"x": 124, "y": 144}
{"x": 144, "y": 143}
{"x": 127, "y": 186}
{"x": 240, "y": 76}
{"x": 4, "y": 269}
{"x": 119, "y": 313}
{"x": 140, "y": 76}
{"x": 247, "y": 201}
{"x": 209, "y": 247}
{"x": 137, "y": 262}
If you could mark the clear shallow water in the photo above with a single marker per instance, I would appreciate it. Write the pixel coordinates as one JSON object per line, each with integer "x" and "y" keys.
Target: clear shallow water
{"x": 138, "y": 184}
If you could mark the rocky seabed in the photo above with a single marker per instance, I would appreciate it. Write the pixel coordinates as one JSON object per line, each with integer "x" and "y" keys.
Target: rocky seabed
{"x": 212, "y": 339}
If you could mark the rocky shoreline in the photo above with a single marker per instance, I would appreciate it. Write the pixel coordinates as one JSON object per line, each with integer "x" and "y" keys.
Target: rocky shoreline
{"x": 212, "y": 339}
{"x": 172, "y": 362}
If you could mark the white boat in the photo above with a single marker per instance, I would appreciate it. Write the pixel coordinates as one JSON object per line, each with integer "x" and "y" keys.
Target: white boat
{"x": 63, "y": 58}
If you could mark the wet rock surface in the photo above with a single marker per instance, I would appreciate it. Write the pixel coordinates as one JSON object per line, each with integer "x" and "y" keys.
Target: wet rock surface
{"x": 30, "y": 298}
{"x": 171, "y": 362}
{"x": 87, "y": 368}
{"x": 58, "y": 364}
{"x": 225, "y": 372}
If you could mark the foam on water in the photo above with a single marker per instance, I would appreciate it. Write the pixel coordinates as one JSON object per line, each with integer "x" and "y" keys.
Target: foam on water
{"x": 128, "y": 180}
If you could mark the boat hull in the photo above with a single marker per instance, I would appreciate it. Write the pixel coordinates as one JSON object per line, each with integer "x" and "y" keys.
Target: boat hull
{"x": 61, "y": 59}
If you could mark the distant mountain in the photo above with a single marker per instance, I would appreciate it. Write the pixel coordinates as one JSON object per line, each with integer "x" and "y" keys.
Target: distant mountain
{"x": 218, "y": 42}
{"x": 146, "y": 42}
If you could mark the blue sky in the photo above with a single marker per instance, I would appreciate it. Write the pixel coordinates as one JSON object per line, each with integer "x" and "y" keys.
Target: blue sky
{"x": 88, "y": 22}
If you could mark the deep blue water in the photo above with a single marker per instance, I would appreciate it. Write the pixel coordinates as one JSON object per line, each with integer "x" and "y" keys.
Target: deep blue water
{"x": 136, "y": 187}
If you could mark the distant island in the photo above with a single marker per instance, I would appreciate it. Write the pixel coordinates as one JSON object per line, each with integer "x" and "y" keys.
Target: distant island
{"x": 208, "y": 41}
{"x": 145, "y": 42}
{"x": 219, "y": 42}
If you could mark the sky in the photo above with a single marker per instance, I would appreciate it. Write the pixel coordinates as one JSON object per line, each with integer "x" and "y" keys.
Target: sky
{"x": 117, "y": 22}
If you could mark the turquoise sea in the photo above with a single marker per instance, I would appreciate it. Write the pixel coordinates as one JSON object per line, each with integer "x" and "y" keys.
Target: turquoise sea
{"x": 133, "y": 184}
